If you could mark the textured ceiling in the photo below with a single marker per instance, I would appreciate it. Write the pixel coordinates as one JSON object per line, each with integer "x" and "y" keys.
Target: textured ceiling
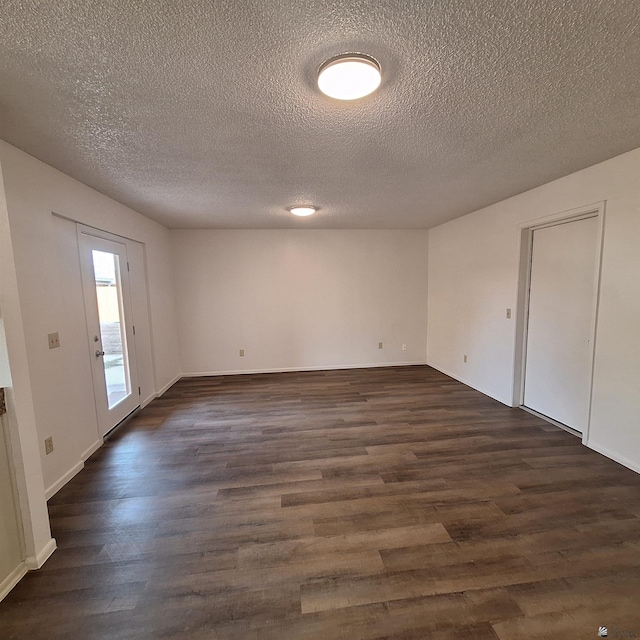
{"x": 204, "y": 113}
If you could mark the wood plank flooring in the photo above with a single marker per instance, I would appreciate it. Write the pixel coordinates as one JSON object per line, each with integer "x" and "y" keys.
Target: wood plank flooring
{"x": 360, "y": 504}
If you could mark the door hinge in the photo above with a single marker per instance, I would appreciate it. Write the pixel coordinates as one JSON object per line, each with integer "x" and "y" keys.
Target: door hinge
{"x": 128, "y": 266}
{"x": 134, "y": 329}
{"x": 139, "y": 392}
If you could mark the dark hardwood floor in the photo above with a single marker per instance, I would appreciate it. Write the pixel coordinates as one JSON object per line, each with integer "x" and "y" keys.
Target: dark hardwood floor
{"x": 359, "y": 504}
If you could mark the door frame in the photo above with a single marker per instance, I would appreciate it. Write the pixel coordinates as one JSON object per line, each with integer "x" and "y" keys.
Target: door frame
{"x": 86, "y": 230}
{"x": 596, "y": 210}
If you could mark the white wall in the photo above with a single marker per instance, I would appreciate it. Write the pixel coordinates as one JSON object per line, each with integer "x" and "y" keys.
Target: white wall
{"x": 473, "y": 278}
{"x": 299, "y": 299}
{"x": 19, "y": 422}
{"x": 45, "y": 256}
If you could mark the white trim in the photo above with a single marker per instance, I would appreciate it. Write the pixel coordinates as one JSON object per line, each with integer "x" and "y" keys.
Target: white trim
{"x": 35, "y": 562}
{"x": 147, "y": 400}
{"x": 157, "y": 394}
{"x": 616, "y": 457}
{"x": 238, "y": 372}
{"x": 522, "y": 315}
{"x": 12, "y": 580}
{"x": 92, "y": 449}
{"x": 586, "y": 211}
{"x": 75, "y": 470}
{"x": 597, "y": 278}
{"x": 595, "y": 210}
{"x": 469, "y": 384}
{"x": 147, "y": 289}
{"x": 168, "y": 386}
{"x": 60, "y": 482}
{"x": 96, "y": 231}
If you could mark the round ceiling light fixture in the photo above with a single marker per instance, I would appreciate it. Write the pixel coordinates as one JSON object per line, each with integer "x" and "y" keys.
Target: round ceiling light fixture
{"x": 349, "y": 76}
{"x": 302, "y": 211}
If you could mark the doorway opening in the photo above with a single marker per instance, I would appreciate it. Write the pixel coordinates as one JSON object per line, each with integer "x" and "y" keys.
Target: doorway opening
{"x": 558, "y": 301}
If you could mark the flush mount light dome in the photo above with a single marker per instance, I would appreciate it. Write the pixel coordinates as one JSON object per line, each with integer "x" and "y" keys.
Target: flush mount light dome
{"x": 349, "y": 76}
{"x": 303, "y": 211}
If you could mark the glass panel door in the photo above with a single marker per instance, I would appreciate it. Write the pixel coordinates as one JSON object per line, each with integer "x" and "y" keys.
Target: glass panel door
{"x": 106, "y": 270}
{"x": 105, "y": 280}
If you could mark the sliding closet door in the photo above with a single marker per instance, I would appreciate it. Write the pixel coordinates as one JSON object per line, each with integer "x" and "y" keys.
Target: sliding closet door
{"x": 561, "y": 306}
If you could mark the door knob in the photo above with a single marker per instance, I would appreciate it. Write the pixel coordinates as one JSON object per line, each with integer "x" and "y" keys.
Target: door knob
{"x": 99, "y": 353}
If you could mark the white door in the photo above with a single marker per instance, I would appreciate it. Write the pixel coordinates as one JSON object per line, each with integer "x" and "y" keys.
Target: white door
{"x": 105, "y": 280}
{"x": 561, "y": 306}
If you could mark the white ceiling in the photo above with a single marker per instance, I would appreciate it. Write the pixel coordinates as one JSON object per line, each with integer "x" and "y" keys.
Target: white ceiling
{"x": 205, "y": 113}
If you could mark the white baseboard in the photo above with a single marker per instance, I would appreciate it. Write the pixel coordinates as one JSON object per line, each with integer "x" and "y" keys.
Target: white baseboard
{"x": 60, "y": 482}
{"x": 147, "y": 400}
{"x": 12, "y": 579}
{"x": 470, "y": 384}
{"x": 240, "y": 372}
{"x": 92, "y": 449}
{"x": 165, "y": 388}
{"x": 616, "y": 457}
{"x": 35, "y": 562}
{"x": 74, "y": 471}
{"x": 157, "y": 394}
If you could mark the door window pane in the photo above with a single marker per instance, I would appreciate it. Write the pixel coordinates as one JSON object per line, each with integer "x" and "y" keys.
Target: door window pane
{"x": 106, "y": 269}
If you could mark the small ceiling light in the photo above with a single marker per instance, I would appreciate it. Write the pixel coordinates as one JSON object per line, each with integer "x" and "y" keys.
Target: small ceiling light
{"x": 349, "y": 76}
{"x": 303, "y": 211}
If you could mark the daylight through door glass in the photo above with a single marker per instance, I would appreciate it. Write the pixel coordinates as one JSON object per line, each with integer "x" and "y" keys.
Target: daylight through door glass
{"x": 106, "y": 269}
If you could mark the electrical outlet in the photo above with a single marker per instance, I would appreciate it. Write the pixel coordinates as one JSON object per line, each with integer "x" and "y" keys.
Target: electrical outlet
{"x": 379, "y": 345}
{"x": 509, "y": 314}
{"x": 242, "y": 353}
{"x": 48, "y": 445}
{"x": 465, "y": 357}
{"x": 404, "y": 347}
{"x": 54, "y": 340}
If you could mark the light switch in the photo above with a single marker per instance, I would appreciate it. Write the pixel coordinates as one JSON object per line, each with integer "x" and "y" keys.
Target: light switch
{"x": 54, "y": 340}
